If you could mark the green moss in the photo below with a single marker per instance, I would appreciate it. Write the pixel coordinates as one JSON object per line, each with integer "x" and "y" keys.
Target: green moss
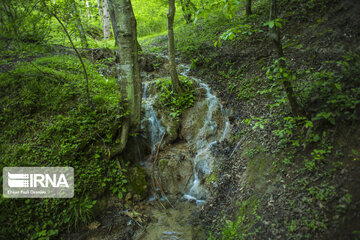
{"x": 176, "y": 103}
{"x": 163, "y": 163}
{"x": 260, "y": 167}
{"x": 137, "y": 181}
{"x": 212, "y": 177}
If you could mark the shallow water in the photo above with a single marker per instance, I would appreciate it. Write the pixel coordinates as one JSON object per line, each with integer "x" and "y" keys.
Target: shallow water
{"x": 180, "y": 222}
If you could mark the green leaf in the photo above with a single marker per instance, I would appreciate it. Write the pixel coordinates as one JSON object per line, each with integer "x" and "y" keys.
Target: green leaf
{"x": 338, "y": 86}
{"x": 271, "y": 24}
{"x": 120, "y": 195}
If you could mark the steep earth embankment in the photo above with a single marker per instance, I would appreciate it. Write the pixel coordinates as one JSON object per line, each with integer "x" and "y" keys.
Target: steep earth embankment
{"x": 269, "y": 190}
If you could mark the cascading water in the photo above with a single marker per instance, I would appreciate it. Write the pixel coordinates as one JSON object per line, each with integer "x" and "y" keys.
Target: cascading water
{"x": 150, "y": 121}
{"x": 204, "y": 140}
{"x": 176, "y": 223}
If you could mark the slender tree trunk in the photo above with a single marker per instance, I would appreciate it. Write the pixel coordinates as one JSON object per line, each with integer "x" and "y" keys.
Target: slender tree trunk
{"x": 106, "y": 20}
{"x": 128, "y": 73}
{"x": 276, "y": 38}
{"x": 248, "y": 8}
{"x": 79, "y": 25}
{"x": 171, "y": 46}
{"x": 101, "y": 12}
{"x": 87, "y": 5}
{"x": 76, "y": 51}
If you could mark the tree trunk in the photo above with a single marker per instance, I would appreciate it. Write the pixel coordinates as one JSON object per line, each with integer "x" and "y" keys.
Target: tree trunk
{"x": 79, "y": 25}
{"x": 276, "y": 38}
{"x": 75, "y": 49}
{"x": 248, "y": 8}
{"x": 87, "y": 5}
{"x": 128, "y": 73}
{"x": 171, "y": 47}
{"x": 106, "y": 20}
{"x": 101, "y": 12}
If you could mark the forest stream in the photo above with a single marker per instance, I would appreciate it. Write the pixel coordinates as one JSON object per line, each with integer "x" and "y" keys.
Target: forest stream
{"x": 190, "y": 162}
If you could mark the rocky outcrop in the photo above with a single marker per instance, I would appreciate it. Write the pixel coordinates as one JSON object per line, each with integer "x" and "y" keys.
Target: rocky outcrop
{"x": 175, "y": 168}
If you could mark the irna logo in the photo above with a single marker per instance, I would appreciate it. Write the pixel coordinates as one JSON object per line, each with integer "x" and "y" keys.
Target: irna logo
{"x": 16, "y": 180}
{"x": 38, "y": 182}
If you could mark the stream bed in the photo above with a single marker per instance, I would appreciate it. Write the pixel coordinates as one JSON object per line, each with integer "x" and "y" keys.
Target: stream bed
{"x": 183, "y": 168}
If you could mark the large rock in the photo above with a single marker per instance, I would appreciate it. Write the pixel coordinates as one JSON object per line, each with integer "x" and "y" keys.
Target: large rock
{"x": 175, "y": 168}
{"x": 171, "y": 127}
{"x": 195, "y": 126}
{"x": 193, "y": 120}
{"x": 156, "y": 119}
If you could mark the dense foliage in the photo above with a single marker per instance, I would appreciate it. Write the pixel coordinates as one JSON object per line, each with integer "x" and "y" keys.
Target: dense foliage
{"x": 177, "y": 103}
{"x": 46, "y": 121}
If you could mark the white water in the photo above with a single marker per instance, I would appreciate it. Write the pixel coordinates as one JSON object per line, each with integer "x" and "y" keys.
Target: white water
{"x": 206, "y": 137}
{"x": 154, "y": 127}
{"x": 209, "y": 134}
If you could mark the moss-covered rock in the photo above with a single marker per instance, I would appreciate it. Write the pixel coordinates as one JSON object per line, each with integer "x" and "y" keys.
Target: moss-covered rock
{"x": 175, "y": 168}
{"x": 138, "y": 183}
{"x": 171, "y": 126}
{"x": 193, "y": 120}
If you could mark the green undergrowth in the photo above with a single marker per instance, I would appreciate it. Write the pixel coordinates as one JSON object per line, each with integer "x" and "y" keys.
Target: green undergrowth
{"x": 243, "y": 227}
{"x": 46, "y": 120}
{"x": 176, "y": 103}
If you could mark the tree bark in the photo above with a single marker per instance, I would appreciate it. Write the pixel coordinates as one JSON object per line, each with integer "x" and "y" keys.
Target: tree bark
{"x": 248, "y": 8}
{"x": 275, "y": 35}
{"x": 171, "y": 47}
{"x": 79, "y": 25}
{"x": 101, "y": 12}
{"x": 106, "y": 20}
{"x": 128, "y": 73}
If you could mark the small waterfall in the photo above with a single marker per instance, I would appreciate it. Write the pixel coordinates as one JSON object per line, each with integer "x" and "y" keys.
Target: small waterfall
{"x": 204, "y": 140}
{"x": 200, "y": 138}
{"x": 212, "y": 132}
{"x": 150, "y": 121}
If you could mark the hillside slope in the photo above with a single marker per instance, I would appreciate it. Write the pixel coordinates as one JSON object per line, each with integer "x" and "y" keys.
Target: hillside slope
{"x": 282, "y": 176}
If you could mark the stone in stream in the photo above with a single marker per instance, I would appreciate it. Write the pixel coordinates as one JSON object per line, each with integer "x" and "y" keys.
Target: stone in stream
{"x": 175, "y": 168}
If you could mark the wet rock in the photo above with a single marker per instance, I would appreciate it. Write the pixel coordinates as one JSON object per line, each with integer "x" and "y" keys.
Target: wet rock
{"x": 193, "y": 120}
{"x": 171, "y": 126}
{"x": 137, "y": 183}
{"x": 195, "y": 125}
{"x": 175, "y": 168}
{"x": 157, "y": 120}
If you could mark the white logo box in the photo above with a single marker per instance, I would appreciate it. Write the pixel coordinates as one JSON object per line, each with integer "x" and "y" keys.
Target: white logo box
{"x": 38, "y": 182}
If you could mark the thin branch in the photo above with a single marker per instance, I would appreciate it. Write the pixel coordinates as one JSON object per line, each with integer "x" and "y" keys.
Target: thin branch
{"x": 77, "y": 53}
{"x": 46, "y": 74}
